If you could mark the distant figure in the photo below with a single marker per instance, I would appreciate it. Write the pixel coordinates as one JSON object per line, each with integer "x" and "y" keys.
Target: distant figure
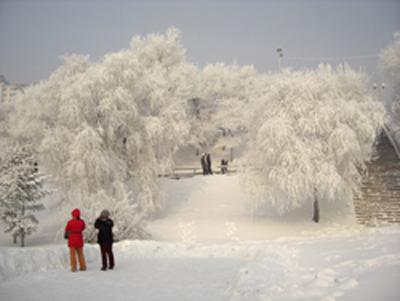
{"x": 224, "y": 167}
{"x": 74, "y": 230}
{"x": 203, "y": 161}
{"x": 105, "y": 239}
{"x": 209, "y": 169}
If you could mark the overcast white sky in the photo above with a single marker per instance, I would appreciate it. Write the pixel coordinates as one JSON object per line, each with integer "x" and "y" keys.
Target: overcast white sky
{"x": 35, "y": 33}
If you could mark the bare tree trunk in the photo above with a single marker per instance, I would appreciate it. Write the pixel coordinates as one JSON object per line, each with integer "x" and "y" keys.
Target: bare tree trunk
{"x": 22, "y": 231}
{"x": 316, "y": 209}
{"x": 22, "y": 238}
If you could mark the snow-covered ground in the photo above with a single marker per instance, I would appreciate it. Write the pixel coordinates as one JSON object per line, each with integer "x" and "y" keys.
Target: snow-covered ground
{"x": 207, "y": 246}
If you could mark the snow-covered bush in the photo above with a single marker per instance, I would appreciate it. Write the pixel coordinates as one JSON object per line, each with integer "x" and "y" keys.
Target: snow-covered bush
{"x": 106, "y": 130}
{"x": 311, "y": 133}
{"x": 21, "y": 186}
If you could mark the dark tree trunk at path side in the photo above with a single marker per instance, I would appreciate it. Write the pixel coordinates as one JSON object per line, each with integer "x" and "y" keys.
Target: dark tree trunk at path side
{"x": 316, "y": 210}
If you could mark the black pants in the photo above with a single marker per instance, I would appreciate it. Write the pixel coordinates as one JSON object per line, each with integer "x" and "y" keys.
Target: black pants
{"x": 106, "y": 251}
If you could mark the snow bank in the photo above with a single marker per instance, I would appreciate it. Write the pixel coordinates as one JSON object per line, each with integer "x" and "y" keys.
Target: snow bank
{"x": 17, "y": 261}
{"x": 350, "y": 264}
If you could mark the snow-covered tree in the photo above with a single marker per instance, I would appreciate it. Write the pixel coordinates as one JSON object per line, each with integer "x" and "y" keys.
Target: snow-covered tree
{"x": 230, "y": 89}
{"x": 390, "y": 65}
{"x": 108, "y": 129}
{"x": 311, "y": 133}
{"x": 5, "y": 110}
{"x": 203, "y": 131}
{"x": 21, "y": 186}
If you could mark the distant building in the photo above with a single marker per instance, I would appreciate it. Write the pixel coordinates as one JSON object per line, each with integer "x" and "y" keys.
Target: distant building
{"x": 8, "y": 92}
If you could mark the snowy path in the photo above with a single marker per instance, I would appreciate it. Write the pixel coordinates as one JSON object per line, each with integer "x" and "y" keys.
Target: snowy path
{"x": 212, "y": 209}
{"x": 206, "y": 247}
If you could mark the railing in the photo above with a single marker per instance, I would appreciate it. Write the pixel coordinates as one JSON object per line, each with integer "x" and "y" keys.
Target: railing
{"x": 392, "y": 140}
{"x": 193, "y": 171}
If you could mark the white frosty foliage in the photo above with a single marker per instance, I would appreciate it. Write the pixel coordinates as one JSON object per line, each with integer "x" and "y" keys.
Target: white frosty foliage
{"x": 203, "y": 130}
{"x": 21, "y": 186}
{"x": 311, "y": 131}
{"x": 231, "y": 90}
{"x": 390, "y": 65}
{"x": 107, "y": 129}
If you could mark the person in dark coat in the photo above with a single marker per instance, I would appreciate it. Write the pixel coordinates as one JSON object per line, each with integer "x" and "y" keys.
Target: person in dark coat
{"x": 105, "y": 239}
{"x": 203, "y": 161}
{"x": 75, "y": 239}
{"x": 224, "y": 167}
{"x": 209, "y": 169}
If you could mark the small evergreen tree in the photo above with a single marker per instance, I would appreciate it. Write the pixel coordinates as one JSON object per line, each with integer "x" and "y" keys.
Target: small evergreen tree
{"x": 21, "y": 186}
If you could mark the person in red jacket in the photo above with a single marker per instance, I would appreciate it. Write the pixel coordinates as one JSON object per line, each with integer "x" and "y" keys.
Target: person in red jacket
{"x": 75, "y": 240}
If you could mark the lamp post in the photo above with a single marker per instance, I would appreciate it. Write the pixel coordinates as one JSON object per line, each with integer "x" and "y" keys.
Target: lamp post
{"x": 280, "y": 54}
{"x": 380, "y": 89}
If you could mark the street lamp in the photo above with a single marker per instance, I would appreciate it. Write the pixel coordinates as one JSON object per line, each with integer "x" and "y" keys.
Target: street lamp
{"x": 280, "y": 54}
{"x": 379, "y": 89}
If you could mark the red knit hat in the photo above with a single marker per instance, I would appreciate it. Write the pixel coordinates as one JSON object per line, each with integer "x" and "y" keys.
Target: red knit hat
{"x": 76, "y": 213}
